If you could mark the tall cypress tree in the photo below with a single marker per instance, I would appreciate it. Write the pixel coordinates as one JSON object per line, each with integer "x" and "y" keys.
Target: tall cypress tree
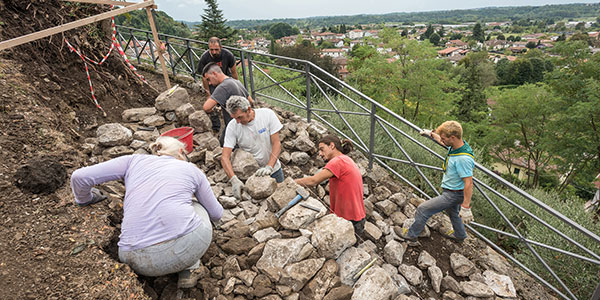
{"x": 213, "y": 24}
{"x": 478, "y": 33}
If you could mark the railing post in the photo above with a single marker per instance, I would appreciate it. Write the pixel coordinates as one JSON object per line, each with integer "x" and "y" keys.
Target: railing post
{"x": 191, "y": 58}
{"x": 151, "y": 50}
{"x": 170, "y": 56}
{"x": 252, "y": 92}
{"x": 135, "y": 49}
{"x": 372, "y": 134}
{"x": 243, "y": 58}
{"x": 307, "y": 71}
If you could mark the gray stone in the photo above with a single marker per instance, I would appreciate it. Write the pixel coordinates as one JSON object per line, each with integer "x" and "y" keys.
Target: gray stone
{"x": 260, "y": 187}
{"x": 390, "y": 269}
{"x": 425, "y": 260}
{"x": 285, "y": 157}
{"x": 403, "y": 286}
{"x": 113, "y": 134}
{"x": 266, "y": 234}
{"x": 502, "y": 285}
{"x": 381, "y": 193}
{"x": 184, "y": 111}
{"x": 170, "y": 116}
{"x": 278, "y": 253}
{"x": 332, "y": 235}
{"x": 300, "y": 217}
{"x": 372, "y": 232}
{"x": 303, "y": 142}
{"x": 398, "y": 218}
{"x": 155, "y": 121}
{"x": 351, "y": 262}
{"x": 136, "y": 144}
{"x": 144, "y": 135}
{"x": 296, "y": 275}
{"x": 450, "y": 295}
{"x": 246, "y": 276}
{"x": 244, "y": 164}
{"x": 137, "y": 114}
{"x": 375, "y": 284}
{"x": 449, "y": 283}
{"x": 171, "y": 99}
{"x": 387, "y": 207}
{"x": 461, "y": 265}
{"x": 117, "y": 151}
{"x": 476, "y": 289}
{"x": 200, "y": 121}
{"x": 300, "y": 158}
{"x": 250, "y": 209}
{"x": 342, "y": 292}
{"x": 206, "y": 140}
{"x": 399, "y": 198}
{"x": 436, "y": 275}
{"x": 323, "y": 281}
{"x": 393, "y": 253}
{"x": 227, "y": 202}
{"x": 285, "y": 192}
{"x": 412, "y": 274}
{"x": 409, "y": 210}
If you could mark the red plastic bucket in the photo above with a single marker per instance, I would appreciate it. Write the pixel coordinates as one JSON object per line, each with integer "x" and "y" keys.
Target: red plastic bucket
{"x": 183, "y": 134}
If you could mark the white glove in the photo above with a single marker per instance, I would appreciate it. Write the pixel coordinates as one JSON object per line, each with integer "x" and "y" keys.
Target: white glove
{"x": 236, "y": 185}
{"x": 425, "y": 132}
{"x": 264, "y": 171}
{"x": 466, "y": 215}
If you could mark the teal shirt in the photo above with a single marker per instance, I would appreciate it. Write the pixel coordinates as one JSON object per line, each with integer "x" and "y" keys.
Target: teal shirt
{"x": 459, "y": 163}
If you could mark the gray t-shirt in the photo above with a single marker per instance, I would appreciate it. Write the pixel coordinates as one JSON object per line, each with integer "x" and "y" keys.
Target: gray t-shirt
{"x": 229, "y": 87}
{"x": 255, "y": 137}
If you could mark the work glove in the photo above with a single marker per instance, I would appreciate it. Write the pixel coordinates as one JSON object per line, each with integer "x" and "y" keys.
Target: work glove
{"x": 97, "y": 196}
{"x": 264, "y": 171}
{"x": 425, "y": 132}
{"x": 236, "y": 186}
{"x": 466, "y": 215}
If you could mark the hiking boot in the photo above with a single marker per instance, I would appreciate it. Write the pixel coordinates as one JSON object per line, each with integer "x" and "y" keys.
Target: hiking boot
{"x": 411, "y": 241}
{"x": 187, "y": 279}
{"x": 450, "y": 235}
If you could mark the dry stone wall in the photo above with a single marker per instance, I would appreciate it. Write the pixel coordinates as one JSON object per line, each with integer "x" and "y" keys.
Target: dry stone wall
{"x": 311, "y": 253}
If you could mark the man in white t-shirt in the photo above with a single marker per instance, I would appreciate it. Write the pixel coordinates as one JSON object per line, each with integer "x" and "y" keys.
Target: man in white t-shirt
{"x": 255, "y": 131}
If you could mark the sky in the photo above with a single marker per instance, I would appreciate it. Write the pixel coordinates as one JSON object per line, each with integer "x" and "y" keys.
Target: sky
{"x": 191, "y": 10}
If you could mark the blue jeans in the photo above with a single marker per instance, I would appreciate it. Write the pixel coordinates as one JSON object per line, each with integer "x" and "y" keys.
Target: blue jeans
{"x": 278, "y": 175}
{"x": 449, "y": 201}
{"x": 174, "y": 255}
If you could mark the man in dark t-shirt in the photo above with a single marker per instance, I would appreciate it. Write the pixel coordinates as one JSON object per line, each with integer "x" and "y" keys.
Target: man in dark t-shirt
{"x": 225, "y": 87}
{"x": 225, "y": 59}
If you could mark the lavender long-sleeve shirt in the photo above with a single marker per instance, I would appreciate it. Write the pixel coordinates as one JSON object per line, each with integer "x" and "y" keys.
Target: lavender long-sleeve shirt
{"x": 158, "y": 197}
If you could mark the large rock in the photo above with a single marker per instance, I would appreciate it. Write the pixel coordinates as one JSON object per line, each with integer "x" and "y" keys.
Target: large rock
{"x": 436, "y": 275}
{"x": 387, "y": 207}
{"x": 502, "y": 285}
{"x": 260, "y": 187}
{"x": 244, "y": 164}
{"x": 343, "y": 292}
{"x": 266, "y": 234}
{"x": 449, "y": 283}
{"x": 412, "y": 274}
{"x": 145, "y": 135}
{"x": 137, "y": 114}
{"x": 184, "y": 111}
{"x": 278, "y": 253}
{"x": 332, "y": 235}
{"x": 239, "y": 245}
{"x": 372, "y": 231}
{"x": 155, "y": 121}
{"x": 317, "y": 287}
{"x": 285, "y": 192}
{"x": 171, "y": 99}
{"x": 113, "y": 134}
{"x": 476, "y": 289}
{"x": 303, "y": 142}
{"x": 375, "y": 284}
{"x": 425, "y": 260}
{"x": 461, "y": 265}
{"x": 351, "y": 262}
{"x": 300, "y": 158}
{"x": 393, "y": 253}
{"x": 206, "y": 140}
{"x": 399, "y": 198}
{"x": 200, "y": 121}
{"x": 300, "y": 217}
{"x": 296, "y": 275}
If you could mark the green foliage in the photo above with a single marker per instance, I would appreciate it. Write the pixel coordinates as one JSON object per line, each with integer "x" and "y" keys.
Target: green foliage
{"x": 280, "y": 30}
{"x": 164, "y": 23}
{"x": 213, "y": 24}
{"x": 476, "y": 74}
{"x": 434, "y": 39}
{"x": 478, "y": 33}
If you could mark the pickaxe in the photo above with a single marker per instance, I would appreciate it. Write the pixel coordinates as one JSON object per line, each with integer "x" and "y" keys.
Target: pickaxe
{"x": 302, "y": 194}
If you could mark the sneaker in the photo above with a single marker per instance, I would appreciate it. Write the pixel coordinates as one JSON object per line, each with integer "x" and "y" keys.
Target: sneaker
{"x": 403, "y": 233}
{"x": 450, "y": 235}
{"x": 187, "y": 279}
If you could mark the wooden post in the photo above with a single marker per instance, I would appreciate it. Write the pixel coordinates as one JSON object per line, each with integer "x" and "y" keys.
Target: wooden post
{"x": 159, "y": 47}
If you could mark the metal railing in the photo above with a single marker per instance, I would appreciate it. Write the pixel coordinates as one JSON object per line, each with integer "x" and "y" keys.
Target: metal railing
{"x": 364, "y": 121}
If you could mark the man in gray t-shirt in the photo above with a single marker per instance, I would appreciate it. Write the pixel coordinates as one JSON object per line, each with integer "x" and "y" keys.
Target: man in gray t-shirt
{"x": 225, "y": 88}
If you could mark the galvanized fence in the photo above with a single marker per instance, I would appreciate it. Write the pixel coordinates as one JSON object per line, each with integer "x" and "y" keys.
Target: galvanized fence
{"x": 393, "y": 142}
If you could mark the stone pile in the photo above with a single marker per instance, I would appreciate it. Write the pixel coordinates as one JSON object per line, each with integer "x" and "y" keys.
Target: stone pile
{"x": 308, "y": 253}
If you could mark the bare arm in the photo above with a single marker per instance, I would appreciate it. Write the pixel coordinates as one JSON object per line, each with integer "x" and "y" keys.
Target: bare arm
{"x": 275, "y": 149}
{"x": 315, "y": 179}
{"x": 226, "y": 161}
{"x": 251, "y": 101}
{"x": 205, "y": 85}
{"x": 209, "y": 104}
{"x": 468, "y": 192}
{"x": 436, "y": 137}
{"x": 234, "y": 73}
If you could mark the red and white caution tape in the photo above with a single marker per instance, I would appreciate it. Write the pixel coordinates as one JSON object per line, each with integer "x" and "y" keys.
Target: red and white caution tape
{"x": 113, "y": 44}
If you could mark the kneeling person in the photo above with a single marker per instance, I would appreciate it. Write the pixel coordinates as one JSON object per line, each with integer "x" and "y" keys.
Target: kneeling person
{"x": 255, "y": 131}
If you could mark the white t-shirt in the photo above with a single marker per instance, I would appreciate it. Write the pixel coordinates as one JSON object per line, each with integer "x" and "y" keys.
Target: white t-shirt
{"x": 255, "y": 137}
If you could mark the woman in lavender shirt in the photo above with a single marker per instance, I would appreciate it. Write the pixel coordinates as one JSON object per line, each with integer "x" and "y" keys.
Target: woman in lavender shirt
{"x": 163, "y": 230}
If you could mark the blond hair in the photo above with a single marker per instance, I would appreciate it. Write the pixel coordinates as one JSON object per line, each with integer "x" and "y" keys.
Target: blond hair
{"x": 450, "y": 128}
{"x": 166, "y": 145}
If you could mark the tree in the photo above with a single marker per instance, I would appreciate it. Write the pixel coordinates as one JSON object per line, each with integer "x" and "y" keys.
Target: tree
{"x": 213, "y": 23}
{"x": 280, "y": 30}
{"x": 427, "y": 32}
{"x": 501, "y": 37}
{"x": 561, "y": 38}
{"x": 478, "y": 33}
{"x": 441, "y": 32}
{"x": 434, "y": 38}
{"x": 476, "y": 74}
{"x": 531, "y": 44}
{"x": 580, "y": 26}
{"x": 404, "y": 33}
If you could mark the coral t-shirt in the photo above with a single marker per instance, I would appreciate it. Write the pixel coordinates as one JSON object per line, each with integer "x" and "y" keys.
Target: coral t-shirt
{"x": 346, "y": 189}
